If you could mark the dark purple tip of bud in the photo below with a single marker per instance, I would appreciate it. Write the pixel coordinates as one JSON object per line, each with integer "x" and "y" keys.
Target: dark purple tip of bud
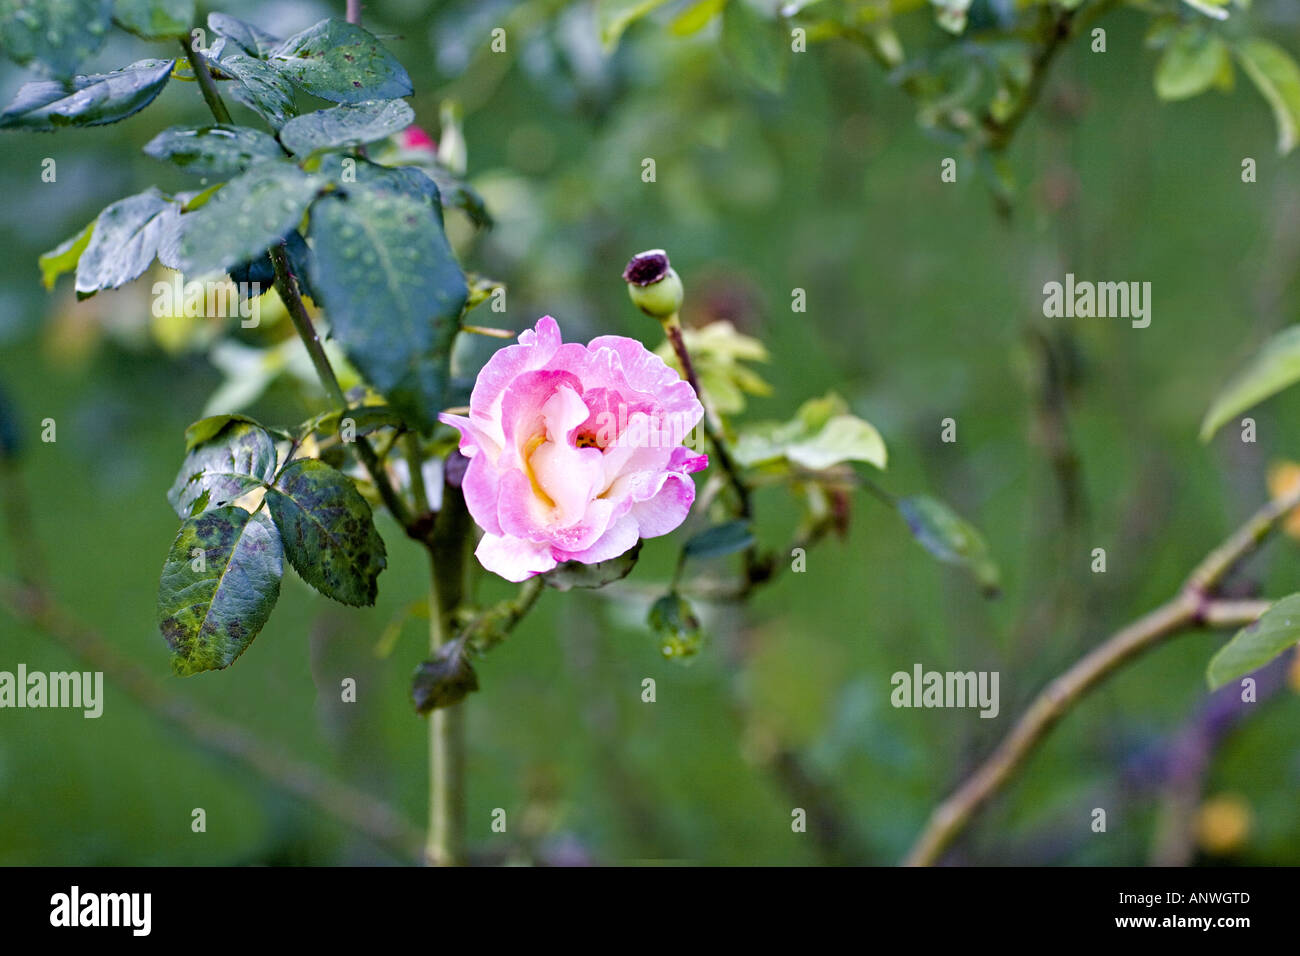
{"x": 647, "y": 268}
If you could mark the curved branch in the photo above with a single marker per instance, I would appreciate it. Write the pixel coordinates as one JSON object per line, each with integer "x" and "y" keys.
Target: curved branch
{"x": 1191, "y": 607}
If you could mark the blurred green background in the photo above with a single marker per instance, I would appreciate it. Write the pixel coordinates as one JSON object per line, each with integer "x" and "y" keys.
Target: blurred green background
{"x": 923, "y": 304}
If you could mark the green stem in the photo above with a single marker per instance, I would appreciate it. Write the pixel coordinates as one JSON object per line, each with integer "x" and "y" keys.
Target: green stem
{"x": 1057, "y": 30}
{"x": 446, "y": 544}
{"x": 754, "y": 569}
{"x": 447, "y": 548}
{"x": 207, "y": 86}
{"x": 287, "y": 287}
{"x": 415, "y": 462}
{"x": 491, "y": 627}
{"x": 288, "y": 290}
{"x": 712, "y": 429}
{"x": 440, "y": 849}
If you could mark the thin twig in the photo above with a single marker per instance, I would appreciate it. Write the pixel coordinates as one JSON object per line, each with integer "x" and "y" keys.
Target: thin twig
{"x": 1191, "y": 607}
{"x": 756, "y": 569}
{"x": 1059, "y": 29}
{"x": 352, "y": 807}
{"x": 206, "y": 84}
{"x": 712, "y": 429}
{"x": 31, "y": 600}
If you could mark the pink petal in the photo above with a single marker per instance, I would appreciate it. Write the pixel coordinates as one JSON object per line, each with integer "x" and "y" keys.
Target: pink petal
{"x": 482, "y": 489}
{"x": 523, "y": 405}
{"x": 571, "y": 477}
{"x": 520, "y": 511}
{"x": 666, "y": 508}
{"x": 535, "y": 348}
{"x": 620, "y": 537}
{"x": 513, "y": 558}
{"x": 648, "y": 374}
{"x": 472, "y": 437}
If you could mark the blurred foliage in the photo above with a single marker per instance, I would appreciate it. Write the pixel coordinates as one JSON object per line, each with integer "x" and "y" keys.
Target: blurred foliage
{"x": 815, "y": 171}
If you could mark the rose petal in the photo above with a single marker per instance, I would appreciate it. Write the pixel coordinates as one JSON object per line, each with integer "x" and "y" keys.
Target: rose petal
{"x": 621, "y": 536}
{"x": 665, "y": 509}
{"x": 513, "y": 558}
{"x": 535, "y": 348}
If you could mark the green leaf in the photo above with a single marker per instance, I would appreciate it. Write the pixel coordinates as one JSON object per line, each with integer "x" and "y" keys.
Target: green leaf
{"x": 328, "y": 531}
{"x": 1211, "y": 8}
{"x": 821, "y": 435}
{"x": 403, "y": 180}
{"x": 1256, "y": 644}
{"x": 1191, "y": 63}
{"x": 718, "y": 352}
{"x": 843, "y": 438}
{"x": 63, "y": 258}
{"x": 696, "y": 17}
{"x": 90, "y": 101}
{"x": 205, "y": 429}
{"x": 347, "y": 125}
{"x": 237, "y": 458}
{"x": 155, "y": 19}
{"x": 252, "y": 40}
{"x": 615, "y": 16}
{"x": 59, "y": 35}
{"x": 674, "y": 622}
{"x": 393, "y": 291}
{"x": 950, "y": 538}
{"x": 340, "y": 62}
{"x": 124, "y": 242}
{"x": 412, "y": 181}
{"x": 219, "y": 584}
{"x": 1276, "y": 366}
{"x": 575, "y": 574}
{"x": 249, "y": 214}
{"x": 719, "y": 540}
{"x": 1277, "y": 78}
{"x": 756, "y": 45}
{"x": 259, "y": 87}
{"x": 365, "y": 419}
{"x": 455, "y": 192}
{"x": 443, "y": 680}
{"x": 213, "y": 150}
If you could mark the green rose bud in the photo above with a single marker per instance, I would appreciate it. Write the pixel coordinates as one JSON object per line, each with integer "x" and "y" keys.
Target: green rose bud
{"x": 653, "y": 284}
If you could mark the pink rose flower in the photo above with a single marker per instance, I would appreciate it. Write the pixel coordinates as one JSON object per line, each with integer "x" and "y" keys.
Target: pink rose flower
{"x": 575, "y": 451}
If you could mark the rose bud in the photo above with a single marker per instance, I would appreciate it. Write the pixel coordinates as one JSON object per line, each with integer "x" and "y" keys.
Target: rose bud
{"x": 653, "y": 284}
